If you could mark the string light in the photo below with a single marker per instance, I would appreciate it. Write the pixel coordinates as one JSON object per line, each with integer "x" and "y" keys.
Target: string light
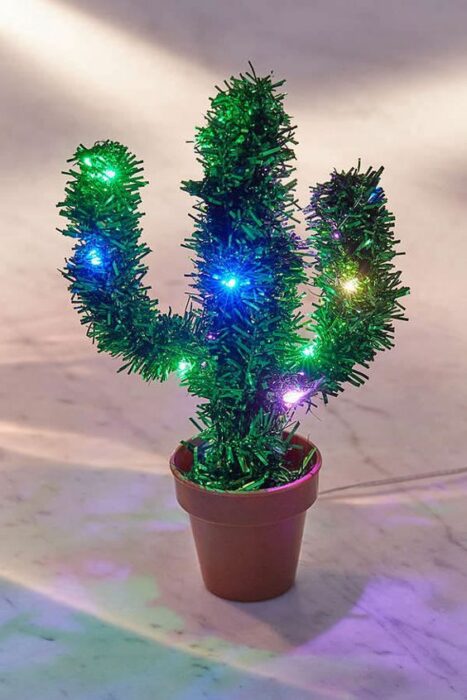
{"x": 293, "y": 396}
{"x": 350, "y": 285}
{"x": 94, "y": 257}
{"x": 309, "y": 351}
{"x": 229, "y": 282}
{"x": 183, "y": 367}
{"x": 376, "y": 195}
{"x": 106, "y": 175}
{"x": 254, "y": 374}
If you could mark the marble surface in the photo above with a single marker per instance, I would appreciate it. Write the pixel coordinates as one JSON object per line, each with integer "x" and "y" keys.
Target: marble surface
{"x": 100, "y": 596}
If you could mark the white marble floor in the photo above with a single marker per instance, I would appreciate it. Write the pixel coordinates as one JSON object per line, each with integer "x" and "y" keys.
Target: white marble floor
{"x": 100, "y": 597}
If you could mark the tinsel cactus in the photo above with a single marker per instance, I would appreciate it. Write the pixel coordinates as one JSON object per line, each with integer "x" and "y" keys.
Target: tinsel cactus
{"x": 243, "y": 346}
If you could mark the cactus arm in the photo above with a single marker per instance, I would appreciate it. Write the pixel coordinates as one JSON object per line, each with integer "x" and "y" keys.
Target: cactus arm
{"x": 106, "y": 271}
{"x": 352, "y": 241}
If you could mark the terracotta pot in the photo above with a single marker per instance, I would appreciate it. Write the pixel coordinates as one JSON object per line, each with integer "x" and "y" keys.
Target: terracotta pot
{"x": 248, "y": 543}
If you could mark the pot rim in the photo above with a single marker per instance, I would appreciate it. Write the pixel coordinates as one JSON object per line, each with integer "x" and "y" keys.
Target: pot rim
{"x": 257, "y": 493}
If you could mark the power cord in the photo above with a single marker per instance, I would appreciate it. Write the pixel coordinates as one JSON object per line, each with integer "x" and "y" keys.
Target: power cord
{"x": 395, "y": 480}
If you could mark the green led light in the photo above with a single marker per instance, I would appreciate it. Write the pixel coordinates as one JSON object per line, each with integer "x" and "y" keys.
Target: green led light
{"x": 309, "y": 351}
{"x": 183, "y": 367}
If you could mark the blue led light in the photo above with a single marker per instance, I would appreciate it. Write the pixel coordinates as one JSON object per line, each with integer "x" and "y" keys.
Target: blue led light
{"x": 376, "y": 195}
{"x": 94, "y": 257}
{"x": 229, "y": 282}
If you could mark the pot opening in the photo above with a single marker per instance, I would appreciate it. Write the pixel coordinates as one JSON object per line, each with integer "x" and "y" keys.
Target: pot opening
{"x": 301, "y": 458}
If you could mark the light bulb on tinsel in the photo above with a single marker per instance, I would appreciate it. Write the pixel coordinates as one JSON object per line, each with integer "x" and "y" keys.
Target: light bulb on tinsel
{"x": 229, "y": 282}
{"x": 94, "y": 257}
{"x": 376, "y": 195}
{"x": 293, "y": 396}
{"x": 350, "y": 285}
{"x": 309, "y": 351}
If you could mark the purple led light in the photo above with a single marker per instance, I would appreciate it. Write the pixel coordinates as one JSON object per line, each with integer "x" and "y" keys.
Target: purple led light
{"x": 293, "y": 396}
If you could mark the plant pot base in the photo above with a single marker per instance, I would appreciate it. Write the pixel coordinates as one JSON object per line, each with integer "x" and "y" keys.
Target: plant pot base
{"x": 264, "y": 574}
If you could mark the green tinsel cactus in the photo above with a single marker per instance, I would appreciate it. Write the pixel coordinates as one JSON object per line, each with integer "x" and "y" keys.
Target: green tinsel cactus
{"x": 243, "y": 345}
